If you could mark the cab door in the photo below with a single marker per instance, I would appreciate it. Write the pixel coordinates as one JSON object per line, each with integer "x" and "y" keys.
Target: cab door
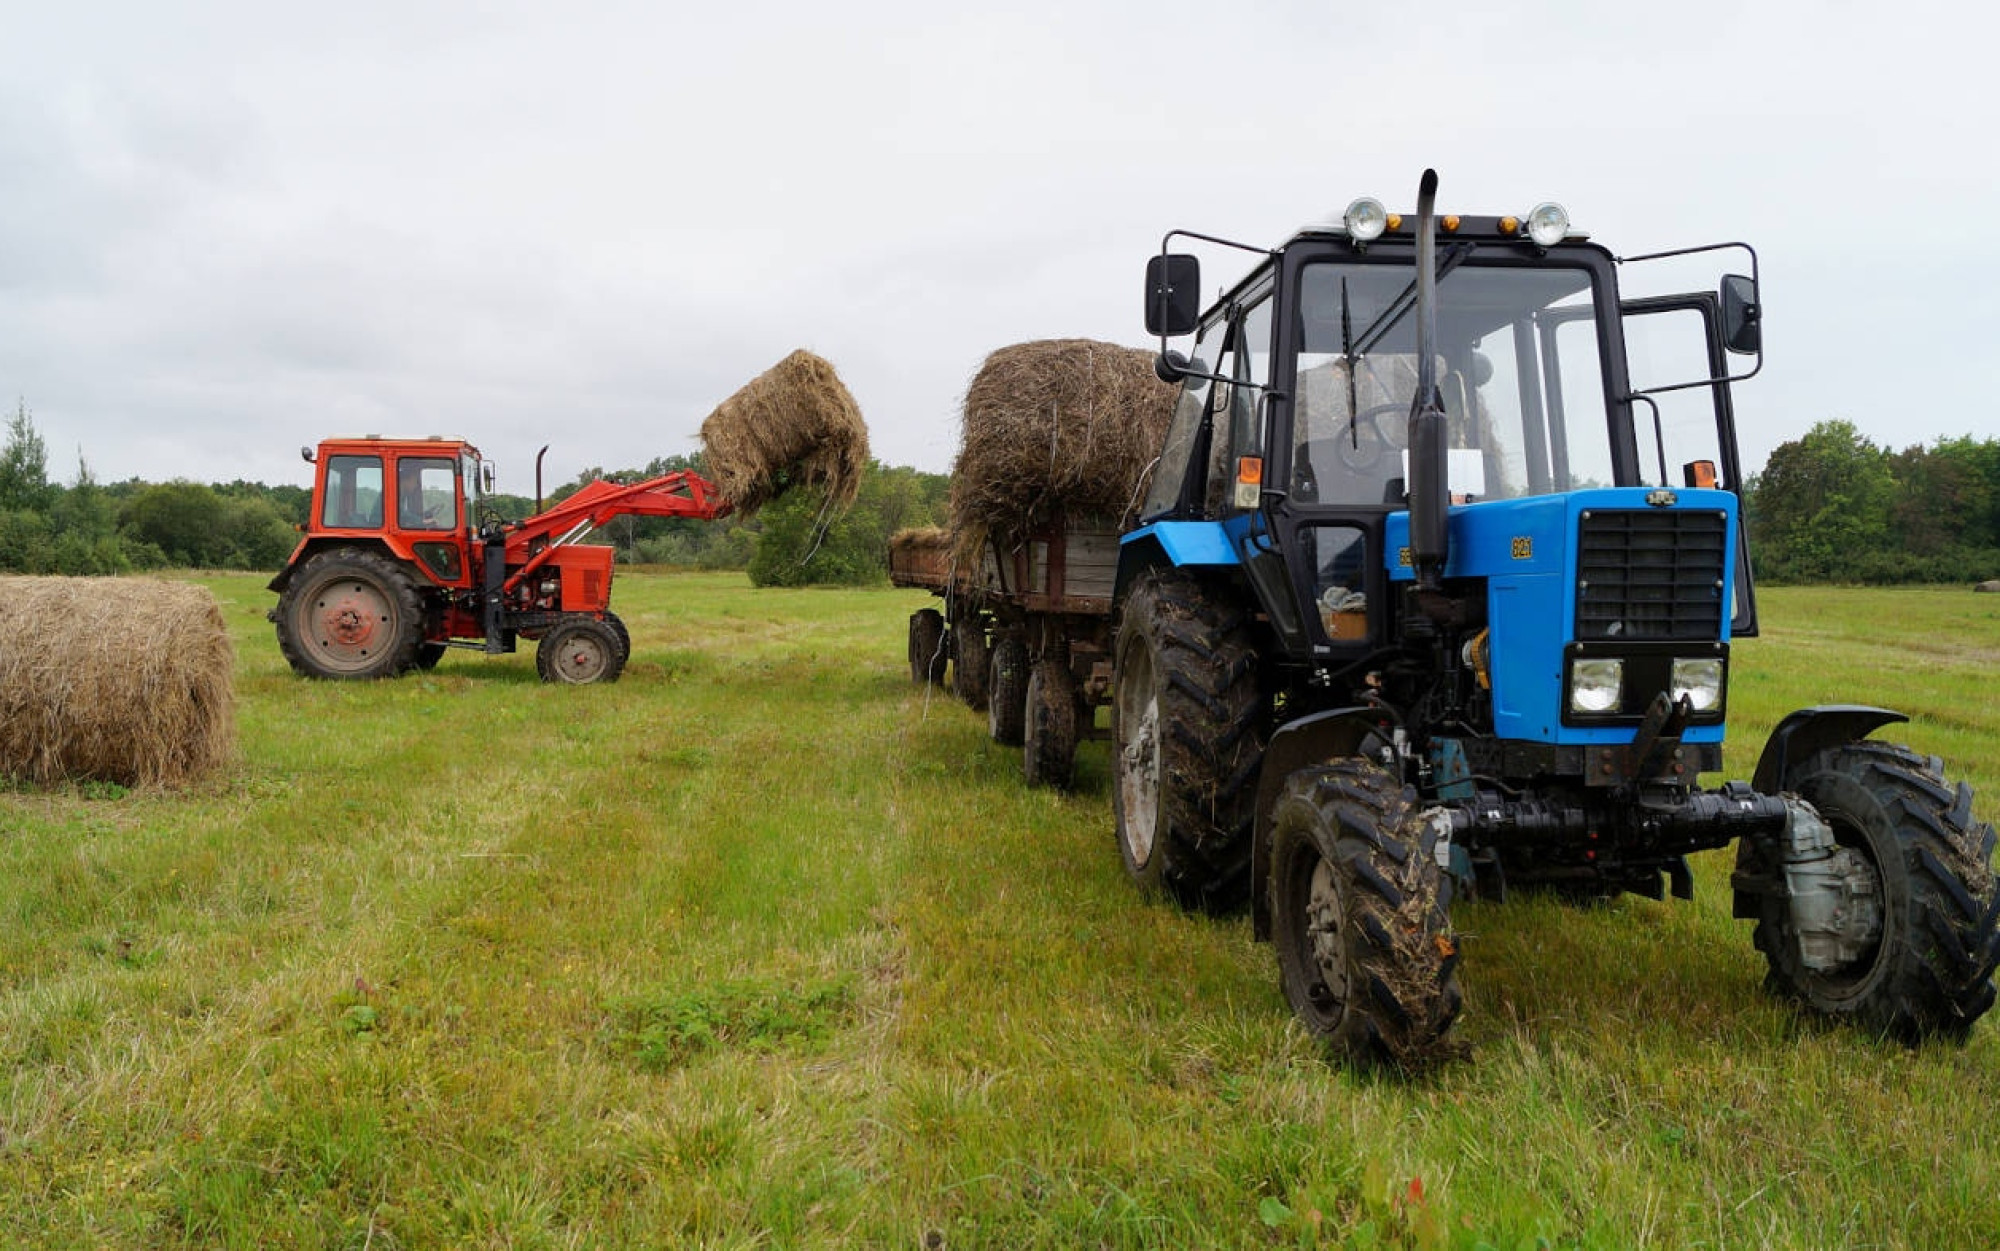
{"x": 1682, "y": 413}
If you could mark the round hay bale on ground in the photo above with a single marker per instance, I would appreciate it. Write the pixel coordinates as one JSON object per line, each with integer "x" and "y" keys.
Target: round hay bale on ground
{"x": 120, "y": 680}
{"x": 793, "y": 425}
{"x": 1053, "y": 428}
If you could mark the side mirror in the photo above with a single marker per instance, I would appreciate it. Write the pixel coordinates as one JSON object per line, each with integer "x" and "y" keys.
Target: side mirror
{"x": 1173, "y": 294}
{"x": 486, "y": 477}
{"x": 1742, "y": 315}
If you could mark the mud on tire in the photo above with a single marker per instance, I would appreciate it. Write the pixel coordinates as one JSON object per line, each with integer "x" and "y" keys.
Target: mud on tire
{"x": 1188, "y": 722}
{"x": 1361, "y": 917}
{"x": 1930, "y": 974}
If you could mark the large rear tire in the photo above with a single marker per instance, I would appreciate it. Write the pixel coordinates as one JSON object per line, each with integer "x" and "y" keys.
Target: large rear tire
{"x": 1188, "y": 722}
{"x": 1930, "y": 972}
{"x": 1360, "y": 915}
{"x": 1007, "y": 692}
{"x": 350, "y": 613}
{"x": 579, "y": 651}
{"x": 927, "y": 646}
{"x": 1048, "y": 749}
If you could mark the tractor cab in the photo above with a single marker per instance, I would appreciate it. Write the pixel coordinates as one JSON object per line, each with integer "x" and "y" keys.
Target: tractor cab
{"x": 1556, "y": 401}
{"x": 417, "y": 497}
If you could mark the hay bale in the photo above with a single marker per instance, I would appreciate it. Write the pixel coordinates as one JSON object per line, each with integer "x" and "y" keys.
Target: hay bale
{"x": 793, "y": 425}
{"x": 1056, "y": 428}
{"x": 120, "y": 680}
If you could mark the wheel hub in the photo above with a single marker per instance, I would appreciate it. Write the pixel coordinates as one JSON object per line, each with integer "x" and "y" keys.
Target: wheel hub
{"x": 1323, "y": 926}
{"x": 1141, "y": 779}
{"x": 348, "y": 622}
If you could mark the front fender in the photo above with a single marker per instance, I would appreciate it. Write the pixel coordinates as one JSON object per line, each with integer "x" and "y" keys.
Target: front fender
{"x": 1313, "y": 740}
{"x": 1812, "y": 730}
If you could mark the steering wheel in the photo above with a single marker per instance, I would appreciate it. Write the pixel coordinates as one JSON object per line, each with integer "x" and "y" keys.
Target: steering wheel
{"x": 1370, "y": 439}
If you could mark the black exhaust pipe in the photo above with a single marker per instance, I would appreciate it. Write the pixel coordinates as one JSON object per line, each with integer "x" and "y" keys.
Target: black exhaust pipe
{"x": 1430, "y": 498}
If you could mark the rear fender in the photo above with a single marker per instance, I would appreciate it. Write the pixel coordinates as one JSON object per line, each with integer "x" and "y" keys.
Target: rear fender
{"x": 1174, "y": 545}
{"x": 1314, "y": 740}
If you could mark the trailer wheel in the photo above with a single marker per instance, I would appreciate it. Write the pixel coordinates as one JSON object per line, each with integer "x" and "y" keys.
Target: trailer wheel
{"x": 350, "y": 613}
{"x": 1360, "y": 915}
{"x": 1048, "y": 749}
{"x": 1007, "y": 692}
{"x": 969, "y": 658}
{"x": 1188, "y": 722}
{"x": 1930, "y": 972}
{"x": 579, "y": 651}
{"x": 927, "y": 646}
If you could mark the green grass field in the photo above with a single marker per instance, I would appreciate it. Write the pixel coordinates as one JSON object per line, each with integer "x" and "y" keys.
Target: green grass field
{"x": 763, "y": 946}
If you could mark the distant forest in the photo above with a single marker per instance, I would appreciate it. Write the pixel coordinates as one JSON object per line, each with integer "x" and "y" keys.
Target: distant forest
{"x": 1830, "y": 507}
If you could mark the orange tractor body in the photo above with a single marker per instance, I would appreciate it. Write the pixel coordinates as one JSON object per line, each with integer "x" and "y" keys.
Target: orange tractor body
{"x": 401, "y": 560}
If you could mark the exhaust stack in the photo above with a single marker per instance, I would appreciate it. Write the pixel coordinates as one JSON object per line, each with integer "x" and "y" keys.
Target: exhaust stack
{"x": 1430, "y": 499}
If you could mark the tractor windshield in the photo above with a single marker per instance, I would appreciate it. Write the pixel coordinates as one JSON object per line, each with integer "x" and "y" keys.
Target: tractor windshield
{"x": 1518, "y": 365}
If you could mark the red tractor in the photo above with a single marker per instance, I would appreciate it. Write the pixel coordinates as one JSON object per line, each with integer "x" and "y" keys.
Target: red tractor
{"x": 400, "y": 561}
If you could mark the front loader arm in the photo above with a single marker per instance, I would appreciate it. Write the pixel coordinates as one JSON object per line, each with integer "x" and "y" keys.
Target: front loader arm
{"x": 683, "y": 493}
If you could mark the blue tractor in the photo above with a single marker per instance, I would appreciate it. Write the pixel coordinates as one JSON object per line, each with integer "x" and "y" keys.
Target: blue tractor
{"x": 1433, "y": 593}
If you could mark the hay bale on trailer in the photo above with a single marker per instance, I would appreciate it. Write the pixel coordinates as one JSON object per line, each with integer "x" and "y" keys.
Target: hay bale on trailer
{"x": 920, "y": 556}
{"x": 120, "y": 680}
{"x": 793, "y": 425}
{"x": 1054, "y": 428}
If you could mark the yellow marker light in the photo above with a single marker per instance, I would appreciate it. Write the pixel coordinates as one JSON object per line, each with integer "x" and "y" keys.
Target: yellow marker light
{"x": 1509, "y": 225}
{"x": 1450, "y": 222}
{"x": 1395, "y": 221}
{"x": 1701, "y": 473}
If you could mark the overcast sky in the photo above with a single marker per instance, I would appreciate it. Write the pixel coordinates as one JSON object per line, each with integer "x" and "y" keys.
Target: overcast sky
{"x": 227, "y": 230}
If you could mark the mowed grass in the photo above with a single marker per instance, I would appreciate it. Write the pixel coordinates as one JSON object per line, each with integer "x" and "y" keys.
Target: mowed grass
{"x": 765, "y": 946}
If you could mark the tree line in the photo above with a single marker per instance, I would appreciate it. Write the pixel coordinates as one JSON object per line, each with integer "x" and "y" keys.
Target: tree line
{"x": 1835, "y": 507}
{"x": 1828, "y": 507}
{"x": 91, "y": 528}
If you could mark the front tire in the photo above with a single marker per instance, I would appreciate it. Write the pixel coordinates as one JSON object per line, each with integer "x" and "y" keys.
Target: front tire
{"x": 1187, "y": 721}
{"x": 1930, "y": 972}
{"x": 350, "y": 613}
{"x": 1360, "y": 915}
{"x": 578, "y": 652}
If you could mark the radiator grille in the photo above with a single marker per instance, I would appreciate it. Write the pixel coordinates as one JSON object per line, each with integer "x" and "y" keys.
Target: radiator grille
{"x": 1653, "y": 573}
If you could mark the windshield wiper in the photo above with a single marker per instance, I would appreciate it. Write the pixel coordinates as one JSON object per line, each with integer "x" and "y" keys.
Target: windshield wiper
{"x": 1400, "y": 306}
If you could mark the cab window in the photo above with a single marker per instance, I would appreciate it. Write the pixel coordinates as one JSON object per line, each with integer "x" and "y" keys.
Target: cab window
{"x": 427, "y": 493}
{"x": 353, "y": 496}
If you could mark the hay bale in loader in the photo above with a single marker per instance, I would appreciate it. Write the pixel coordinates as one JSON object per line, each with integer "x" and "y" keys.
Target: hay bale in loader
{"x": 123, "y": 680}
{"x": 794, "y": 425}
{"x": 1059, "y": 439}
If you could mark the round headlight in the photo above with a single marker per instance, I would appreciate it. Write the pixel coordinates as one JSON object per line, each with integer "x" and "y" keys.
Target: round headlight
{"x": 1365, "y": 219}
{"x": 1548, "y": 224}
{"x": 1700, "y": 681}
{"x": 1596, "y": 685}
